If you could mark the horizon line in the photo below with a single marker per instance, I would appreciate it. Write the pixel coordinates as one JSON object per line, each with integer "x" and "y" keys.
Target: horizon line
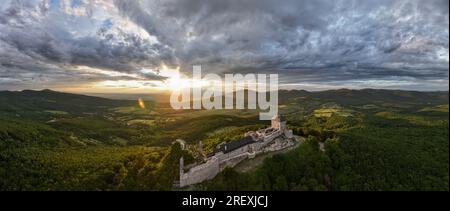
{"x": 166, "y": 91}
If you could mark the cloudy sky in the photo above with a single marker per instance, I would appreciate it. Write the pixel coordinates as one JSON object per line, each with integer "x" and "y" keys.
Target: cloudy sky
{"x": 135, "y": 46}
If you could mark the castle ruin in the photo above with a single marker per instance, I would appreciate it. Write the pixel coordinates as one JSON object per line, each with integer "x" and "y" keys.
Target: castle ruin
{"x": 274, "y": 138}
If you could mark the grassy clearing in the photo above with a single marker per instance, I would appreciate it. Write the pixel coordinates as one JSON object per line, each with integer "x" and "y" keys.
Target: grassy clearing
{"x": 141, "y": 122}
{"x": 57, "y": 112}
{"x": 413, "y": 119}
{"x": 439, "y": 108}
{"x": 328, "y": 112}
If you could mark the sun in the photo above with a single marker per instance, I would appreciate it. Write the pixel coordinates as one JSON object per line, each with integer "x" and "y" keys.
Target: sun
{"x": 174, "y": 80}
{"x": 177, "y": 83}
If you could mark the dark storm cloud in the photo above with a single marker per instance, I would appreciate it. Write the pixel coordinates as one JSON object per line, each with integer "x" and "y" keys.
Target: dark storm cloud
{"x": 38, "y": 43}
{"x": 309, "y": 41}
{"x": 52, "y": 42}
{"x": 338, "y": 40}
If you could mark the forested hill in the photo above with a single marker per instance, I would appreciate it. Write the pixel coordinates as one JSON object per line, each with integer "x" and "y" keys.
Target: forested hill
{"x": 374, "y": 140}
{"x": 366, "y": 96}
{"x": 29, "y": 100}
{"x": 52, "y": 100}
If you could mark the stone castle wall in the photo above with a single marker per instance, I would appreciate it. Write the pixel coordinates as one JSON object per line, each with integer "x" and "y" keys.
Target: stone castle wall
{"x": 234, "y": 157}
{"x": 200, "y": 173}
{"x": 220, "y": 161}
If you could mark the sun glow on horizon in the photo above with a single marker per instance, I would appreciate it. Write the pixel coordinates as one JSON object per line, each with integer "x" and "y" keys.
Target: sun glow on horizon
{"x": 172, "y": 79}
{"x": 151, "y": 80}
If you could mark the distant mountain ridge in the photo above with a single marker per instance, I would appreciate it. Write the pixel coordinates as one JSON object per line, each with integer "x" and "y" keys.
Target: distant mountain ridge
{"x": 365, "y": 96}
{"x": 53, "y": 100}
{"x": 30, "y": 100}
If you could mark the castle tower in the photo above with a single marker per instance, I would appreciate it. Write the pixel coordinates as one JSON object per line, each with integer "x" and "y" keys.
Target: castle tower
{"x": 279, "y": 122}
{"x": 275, "y": 122}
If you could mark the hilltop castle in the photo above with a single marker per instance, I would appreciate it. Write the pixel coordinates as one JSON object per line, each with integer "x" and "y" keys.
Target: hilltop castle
{"x": 274, "y": 138}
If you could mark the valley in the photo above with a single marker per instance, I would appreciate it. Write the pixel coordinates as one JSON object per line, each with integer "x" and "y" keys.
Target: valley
{"x": 373, "y": 140}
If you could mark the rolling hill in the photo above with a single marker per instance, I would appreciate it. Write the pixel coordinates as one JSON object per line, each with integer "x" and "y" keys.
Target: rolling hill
{"x": 374, "y": 140}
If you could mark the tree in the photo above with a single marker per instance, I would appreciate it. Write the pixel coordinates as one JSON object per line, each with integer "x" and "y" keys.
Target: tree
{"x": 280, "y": 184}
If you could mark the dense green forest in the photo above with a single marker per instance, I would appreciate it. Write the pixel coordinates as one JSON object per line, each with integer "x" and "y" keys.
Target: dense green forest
{"x": 373, "y": 140}
{"x": 377, "y": 155}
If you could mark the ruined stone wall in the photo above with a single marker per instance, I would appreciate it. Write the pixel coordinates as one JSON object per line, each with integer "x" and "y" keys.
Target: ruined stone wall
{"x": 289, "y": 133}
{"x": 220, "y": 160}
{"x": 234, "y": 157}
{"x": 213, "y": 166}
{"x": 279, "y": 145}
{"x": 272, "y": 136}
{"x": 238, "y": 152}
{"x": 200, "y": 173}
